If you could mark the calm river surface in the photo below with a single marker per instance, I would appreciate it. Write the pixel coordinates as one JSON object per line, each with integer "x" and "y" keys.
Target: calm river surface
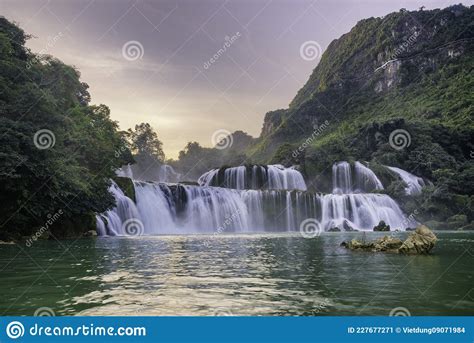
{"x": 235, "y": 275}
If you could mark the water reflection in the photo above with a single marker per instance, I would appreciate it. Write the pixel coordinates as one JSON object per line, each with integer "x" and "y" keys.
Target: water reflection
{"x": 236, "y": 275}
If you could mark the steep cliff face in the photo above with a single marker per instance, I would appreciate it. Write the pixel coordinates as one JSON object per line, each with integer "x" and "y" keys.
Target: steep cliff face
{"x": 376, "y": 70}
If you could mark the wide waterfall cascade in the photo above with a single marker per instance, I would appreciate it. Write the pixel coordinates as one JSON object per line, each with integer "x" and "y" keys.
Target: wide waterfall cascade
{"x": 358, "y": 179}
{"x": 181, "y": 209}
{"x": 414, "y": 183}
{"x": 255, "y": 177}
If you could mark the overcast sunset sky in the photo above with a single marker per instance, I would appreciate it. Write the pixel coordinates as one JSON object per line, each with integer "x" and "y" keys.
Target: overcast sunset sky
{"x": 172, "y": 82}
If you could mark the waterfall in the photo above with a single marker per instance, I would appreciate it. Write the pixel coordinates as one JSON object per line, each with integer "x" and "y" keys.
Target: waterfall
{"x": 359, "y": 179}
{"x": 182, "y": 209}
{"x": 366, "y": 180}
{"x": 341, "y": 178}
{"x": 256, "y": 199}
{"x": 255, "y": 177}
{"x": 111, "y": 222}
{"x": 413, "y": 182}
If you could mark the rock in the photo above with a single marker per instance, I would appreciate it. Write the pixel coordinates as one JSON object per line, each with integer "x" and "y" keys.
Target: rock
{"x": 90, "y": 233}
{"x": 5, "y": 242}
{"x": 334, "y": 229}
{"x": 127, "y": 186}
{"x": 382, "y": 226}
{"x": 387, "y": 243}
{"x": 410, "y": 229}
{"x": 419, "y": 242}
{"x": 347, "y": 227}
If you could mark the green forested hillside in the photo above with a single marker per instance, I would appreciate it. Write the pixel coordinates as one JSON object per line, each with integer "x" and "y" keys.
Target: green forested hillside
{"x": 57, "y": 153}
{"x": 410, "y": 71}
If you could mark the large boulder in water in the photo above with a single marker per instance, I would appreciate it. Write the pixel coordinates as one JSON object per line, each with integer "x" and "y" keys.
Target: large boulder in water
{"x": 419, "y": 242}
{"x": 382, "y": 226}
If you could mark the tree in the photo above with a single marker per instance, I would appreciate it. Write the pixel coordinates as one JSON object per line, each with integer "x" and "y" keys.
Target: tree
{"x": 56, "y": 151}
{"x": 145, "y": 145}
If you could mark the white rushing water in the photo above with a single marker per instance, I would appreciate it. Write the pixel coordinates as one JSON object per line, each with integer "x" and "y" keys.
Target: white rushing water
{"x": 273, "y": 176}
{"x": 413, "y": 182}
{"x": 358, "y": 179}
{"x": 181, "y": 209}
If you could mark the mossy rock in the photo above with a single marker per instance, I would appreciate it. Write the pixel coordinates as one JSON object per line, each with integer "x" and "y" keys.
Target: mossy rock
{"x": 127, "y": 187}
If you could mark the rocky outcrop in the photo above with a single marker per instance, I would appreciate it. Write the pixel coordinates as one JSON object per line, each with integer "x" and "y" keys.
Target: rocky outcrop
{"x": 126, "y": 185}
{"x": 420, "y": 242}
{"x": 386, "y": 244}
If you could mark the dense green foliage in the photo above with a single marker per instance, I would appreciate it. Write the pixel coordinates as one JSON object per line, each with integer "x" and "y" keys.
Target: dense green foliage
{"x": 66, "y": 168}
{"x": 194, "y": 160}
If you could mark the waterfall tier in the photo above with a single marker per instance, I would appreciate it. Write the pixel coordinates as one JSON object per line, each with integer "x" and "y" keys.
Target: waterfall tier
{"x": 255, "y": 177}
{"x": 413, "y": 182}
{"x": 349, "y": 179}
